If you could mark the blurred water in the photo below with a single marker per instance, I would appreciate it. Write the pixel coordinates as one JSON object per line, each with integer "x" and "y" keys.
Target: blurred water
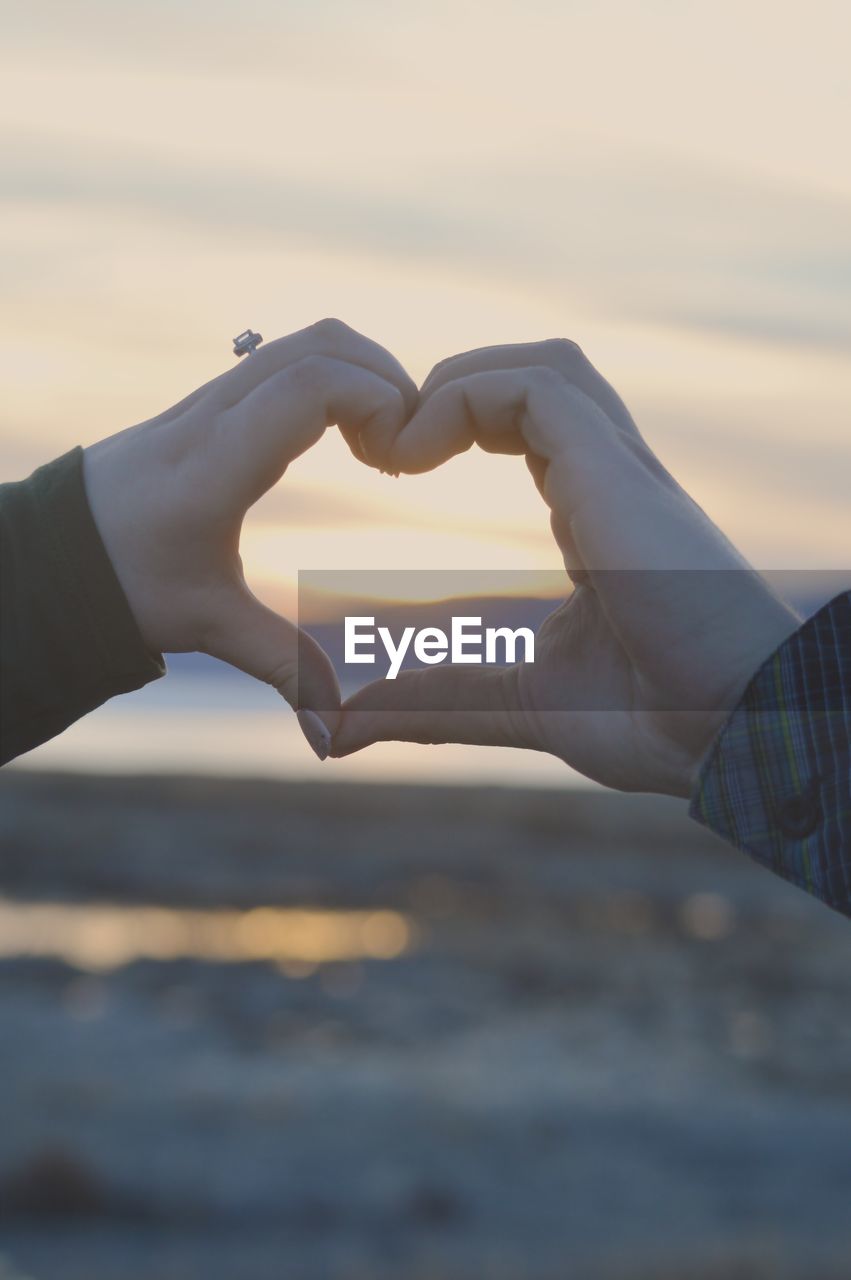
{"x": 617, "y": 1050}
{"x": 205, "y": 717}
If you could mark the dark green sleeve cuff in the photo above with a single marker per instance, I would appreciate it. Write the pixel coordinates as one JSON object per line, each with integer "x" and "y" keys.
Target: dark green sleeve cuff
{"x": 68, "y": 640}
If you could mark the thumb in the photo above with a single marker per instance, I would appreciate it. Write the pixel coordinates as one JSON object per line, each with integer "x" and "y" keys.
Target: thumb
{"x": 478, "y": 706}
{"x": 254, "y": 638}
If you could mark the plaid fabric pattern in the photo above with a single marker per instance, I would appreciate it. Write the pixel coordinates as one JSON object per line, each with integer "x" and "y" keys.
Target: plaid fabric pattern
{"x": 777, "y": 782}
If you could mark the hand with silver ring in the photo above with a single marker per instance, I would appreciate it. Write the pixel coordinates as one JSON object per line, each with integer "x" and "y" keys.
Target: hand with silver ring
{"x": 169, "y": 497}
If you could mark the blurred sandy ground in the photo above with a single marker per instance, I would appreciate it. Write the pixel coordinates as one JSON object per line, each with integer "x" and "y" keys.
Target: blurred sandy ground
{"x": 607, "y": 1047}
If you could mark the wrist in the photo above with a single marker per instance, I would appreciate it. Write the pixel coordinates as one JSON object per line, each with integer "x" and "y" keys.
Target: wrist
{"x": 766, "y": 635}
{"x": 104, "y": 489}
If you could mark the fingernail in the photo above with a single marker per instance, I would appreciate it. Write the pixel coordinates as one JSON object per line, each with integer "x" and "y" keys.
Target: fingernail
{"x": 316, "y": 733}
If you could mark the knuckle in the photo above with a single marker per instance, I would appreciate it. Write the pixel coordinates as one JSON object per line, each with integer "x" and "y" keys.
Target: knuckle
{"x": 564, "y": 350}
{"x": 441, "y": 365}
{"x": 284, "y": 678}
{"x": 330, "y": 332}
{"x": 511, "y": 703}
{"x": 544, "y": 377}
{"x": 310, "y": 373}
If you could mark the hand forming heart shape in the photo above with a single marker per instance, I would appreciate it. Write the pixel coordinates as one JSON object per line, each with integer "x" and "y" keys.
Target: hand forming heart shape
{"x": 662, "y": 656}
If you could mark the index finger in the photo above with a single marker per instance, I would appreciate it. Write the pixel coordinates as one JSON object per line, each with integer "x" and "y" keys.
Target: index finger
{"x": 573, "y": 446}
{"x": 559, "y": 354}
{"x": 524, "y": 410}
{"x": 331, "y": 338}
{"x": 255, "y": 440}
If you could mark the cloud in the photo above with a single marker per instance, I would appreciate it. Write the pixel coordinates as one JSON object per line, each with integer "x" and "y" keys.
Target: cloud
{"x": 307, "y": 506}
{"x": 273, "y": 37}
{"x": 636, "y": 238}
{"x": 235, "y": 201}
{"x": 826, "y": 334}
{"x": 772, "y": 469}
{"x": 296, "y": 506}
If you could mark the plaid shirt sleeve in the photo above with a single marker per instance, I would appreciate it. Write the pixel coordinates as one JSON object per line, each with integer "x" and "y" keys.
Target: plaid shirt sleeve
{"x": 777, "y": 781}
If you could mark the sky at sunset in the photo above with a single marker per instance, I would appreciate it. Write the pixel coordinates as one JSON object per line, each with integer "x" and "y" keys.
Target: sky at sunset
{"x": 666, "y": 183}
